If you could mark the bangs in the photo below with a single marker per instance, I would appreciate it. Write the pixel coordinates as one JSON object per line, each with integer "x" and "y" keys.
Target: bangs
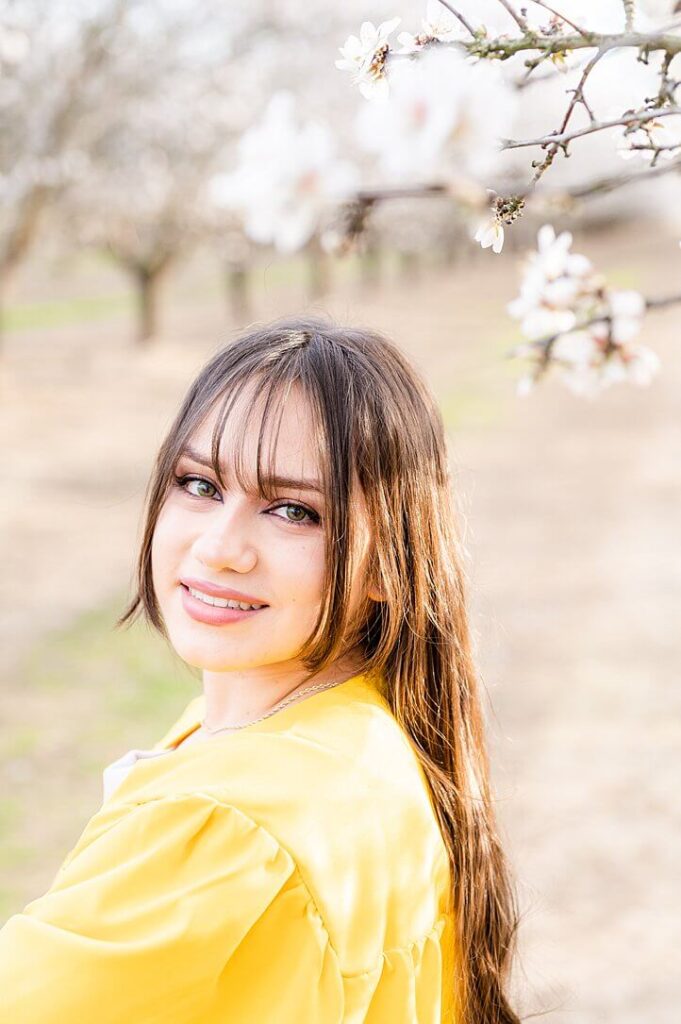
{"x": 270, "y": 393}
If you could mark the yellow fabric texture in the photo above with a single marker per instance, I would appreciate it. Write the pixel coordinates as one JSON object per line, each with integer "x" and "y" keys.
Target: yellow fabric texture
{"x": 290, "y": 872}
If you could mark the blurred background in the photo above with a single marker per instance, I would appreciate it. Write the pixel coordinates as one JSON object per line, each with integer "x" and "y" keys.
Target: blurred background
{"x": 128, "y": 255}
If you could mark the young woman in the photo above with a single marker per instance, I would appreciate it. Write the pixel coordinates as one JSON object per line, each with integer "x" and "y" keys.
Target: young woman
{"x": 313, "y": 840}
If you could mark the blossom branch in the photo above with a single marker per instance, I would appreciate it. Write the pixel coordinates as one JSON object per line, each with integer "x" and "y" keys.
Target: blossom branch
{"x": 459, "y": 17}
{"x": 541, "y": 3}
{"x": 503, "y": 47}
{"x": 518, "y": 18}
{"x": 628, "y": 14}
{"x": 402, "y": 192}
{"x": 608, "y": 184}
{"x": 562, "y": 139}
{"x": 599, "y": 186}
{"x": 368, "y": 56}
{"x": 577, "y": 97}
{"x": 544, "y": 346}
{"x": 663, "y": 301}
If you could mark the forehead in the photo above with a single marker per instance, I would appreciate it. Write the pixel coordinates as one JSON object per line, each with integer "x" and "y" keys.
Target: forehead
{"x": 289, "y": 419}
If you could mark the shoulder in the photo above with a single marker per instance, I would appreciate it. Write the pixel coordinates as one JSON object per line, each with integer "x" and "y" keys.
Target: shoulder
{"x": 343, "y": 792}
{"x": 333, "y": 788}
{"x": 169, "y": 909}
{"x": 186, "y": 906}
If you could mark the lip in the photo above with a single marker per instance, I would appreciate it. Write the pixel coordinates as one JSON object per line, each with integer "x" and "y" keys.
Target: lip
{"x": 215, "y": 591}
{"x": 211, "y": 615}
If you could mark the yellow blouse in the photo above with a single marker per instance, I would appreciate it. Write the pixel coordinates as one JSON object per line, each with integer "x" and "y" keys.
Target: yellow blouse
{"x": 288, "y": 873}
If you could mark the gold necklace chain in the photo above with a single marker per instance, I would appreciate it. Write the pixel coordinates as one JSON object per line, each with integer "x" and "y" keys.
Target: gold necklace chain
{"x": 289, "y": 699}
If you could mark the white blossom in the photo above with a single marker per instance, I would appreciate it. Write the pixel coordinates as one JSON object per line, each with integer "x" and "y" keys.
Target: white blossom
{"x": 543, "y": 321}
{"x": 443, "y": 118}
{"x": 579, "y": 349}
{"x": 577, "y": 323}
{"x": 491, "y": 233}
{"x": 287, "y": 176}
{"x": 554, "y": 258}
{"x": 642, "y": 364}
{"x": 364, "y": 56}
{"x": 633, "y": 364}
{"x": 438, "y": 25}
{"x": 552, "y": 283}
{"x": 14, "y": 45}
{"x": 627, "y": 309}
{"x": 525, "y": 385}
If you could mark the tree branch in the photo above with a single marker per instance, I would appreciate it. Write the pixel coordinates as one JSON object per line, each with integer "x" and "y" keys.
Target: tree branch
{"x": 544, "y": 345}
{"x": 600, "y": 186}
{"x": 459, "y": 16}
{"x": 628, "y": 14}
{"x": 519, "y": 20}
{"x": 577, "y": 97}
{"x": 541, "y": 3}
{"x": 504, "y": 47}
{"x": 561, "y": 139}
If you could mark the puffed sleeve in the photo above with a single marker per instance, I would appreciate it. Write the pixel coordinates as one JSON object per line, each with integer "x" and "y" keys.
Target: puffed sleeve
{"x": 183, "y": 910}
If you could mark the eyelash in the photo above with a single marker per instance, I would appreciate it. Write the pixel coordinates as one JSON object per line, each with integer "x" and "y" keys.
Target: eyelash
{"x": 182, "y": 481}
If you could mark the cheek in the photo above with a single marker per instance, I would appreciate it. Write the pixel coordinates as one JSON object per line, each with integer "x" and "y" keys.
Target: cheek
{"x": 165, "y": 545}
{"x": 298, "y": 568}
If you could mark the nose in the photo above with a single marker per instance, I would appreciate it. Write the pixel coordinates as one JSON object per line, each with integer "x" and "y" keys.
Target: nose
{"x": 224, "y": 541}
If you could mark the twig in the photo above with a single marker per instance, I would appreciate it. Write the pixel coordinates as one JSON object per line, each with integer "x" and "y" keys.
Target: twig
{"x": 628, "y": 14}
{"x": 577, "y": 97}
{"x": 663, "y": 302}
{"x": 578, "y": 94}
{"x": 598, "y": 186}
{"x": 609, "y": 184}
{"x": 460, "y": 17}
{"x": 518, "y": 18}
{"x": 505, "y": 47}
{"x": 551, "y": 75}
{"x": 401, "y": 192}
{"x": 541, "y": 3}
{"x": 598, "y": 126}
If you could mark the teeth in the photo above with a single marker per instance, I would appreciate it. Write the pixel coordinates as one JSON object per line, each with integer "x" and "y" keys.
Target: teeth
{"x": 220, "y": 602}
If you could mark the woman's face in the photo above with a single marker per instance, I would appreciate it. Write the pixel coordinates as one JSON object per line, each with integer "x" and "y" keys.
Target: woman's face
{"x": 271, "y": 551}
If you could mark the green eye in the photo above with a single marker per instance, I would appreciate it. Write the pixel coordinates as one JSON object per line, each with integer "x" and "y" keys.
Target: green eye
{"x": 312, "y": 517}
{"x": 184, "y": 481}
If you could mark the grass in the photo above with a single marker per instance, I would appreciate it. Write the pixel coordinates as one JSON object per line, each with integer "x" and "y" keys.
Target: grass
{"x": 63, "y": 312}
{"x": 136, "y": 676}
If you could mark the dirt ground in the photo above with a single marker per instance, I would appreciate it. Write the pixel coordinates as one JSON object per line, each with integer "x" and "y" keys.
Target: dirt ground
{"x": 572, "y": 513}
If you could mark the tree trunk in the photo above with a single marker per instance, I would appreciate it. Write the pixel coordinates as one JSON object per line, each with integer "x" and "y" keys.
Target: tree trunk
{"x": 239, "y": 292}
{"x": 3, "y": 325}
{"x": 410, "y": 265}
{"x": 147, "y": 281}
{"x": 371, "y": 266}
{"x": 318, "y": 271}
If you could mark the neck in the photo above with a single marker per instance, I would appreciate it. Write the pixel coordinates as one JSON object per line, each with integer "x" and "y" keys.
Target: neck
{"x": 235, "y": 698}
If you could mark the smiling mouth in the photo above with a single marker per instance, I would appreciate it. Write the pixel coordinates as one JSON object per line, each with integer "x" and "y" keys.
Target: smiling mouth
{"x": 219, "y": 602}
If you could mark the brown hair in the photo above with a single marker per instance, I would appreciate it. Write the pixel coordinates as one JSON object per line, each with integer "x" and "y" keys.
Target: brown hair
{"x": 378, "y": 425}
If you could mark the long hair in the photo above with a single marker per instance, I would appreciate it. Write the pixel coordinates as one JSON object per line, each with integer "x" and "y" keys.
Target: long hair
{"x": 378, "y": 427}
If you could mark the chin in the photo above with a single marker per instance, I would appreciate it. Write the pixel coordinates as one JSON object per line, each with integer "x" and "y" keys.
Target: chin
{"x": 199, "y": 652}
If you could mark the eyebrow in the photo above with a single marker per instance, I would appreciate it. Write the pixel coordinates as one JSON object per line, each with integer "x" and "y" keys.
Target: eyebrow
{"x": 274, "y": 481}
